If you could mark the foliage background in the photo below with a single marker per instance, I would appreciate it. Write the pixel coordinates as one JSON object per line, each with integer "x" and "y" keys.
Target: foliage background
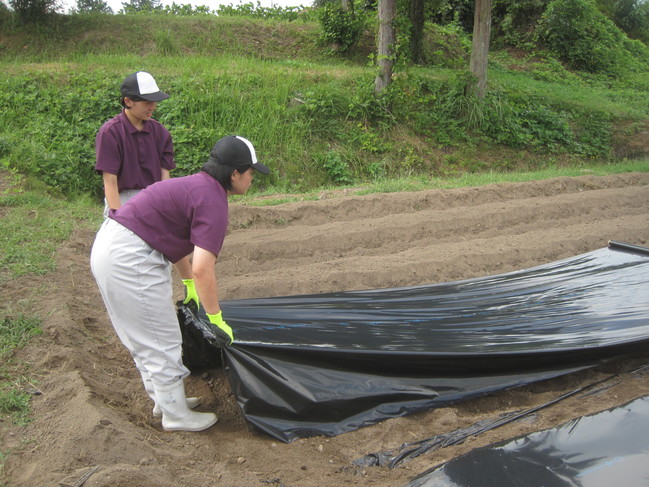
{"x": 567, "y": 86}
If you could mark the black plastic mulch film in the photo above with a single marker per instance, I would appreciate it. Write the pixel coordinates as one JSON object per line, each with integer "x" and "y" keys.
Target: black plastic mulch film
{"x": 331, "y": 363}
{"x": 606, "y": 449}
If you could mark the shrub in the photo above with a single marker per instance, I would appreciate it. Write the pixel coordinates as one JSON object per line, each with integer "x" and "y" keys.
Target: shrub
{"x": 335, "y": 167}
{"x": 579, "y": 34}
{"x": 33, "y": 11}
{"x": 259, "y": 12}
{"x": 513, "y": 21}
{"x": 341, "y": 29}
{"x": 445, "y": 46}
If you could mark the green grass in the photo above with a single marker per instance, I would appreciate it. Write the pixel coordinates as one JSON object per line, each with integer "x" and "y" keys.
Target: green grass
{"x": 33, "y": 226}
{"x": 312, "y": 116}
{"x": 272, "y": 198}
{"x": 15, "y": 332}
{"x": 616, "y": 99}
{"x": 161, "y": 35}
{"x": 313, "y": 124}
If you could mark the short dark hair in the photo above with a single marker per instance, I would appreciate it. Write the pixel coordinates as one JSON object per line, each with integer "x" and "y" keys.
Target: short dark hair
{"x": 132, "y": 98}
{"x": 222, "y": 172}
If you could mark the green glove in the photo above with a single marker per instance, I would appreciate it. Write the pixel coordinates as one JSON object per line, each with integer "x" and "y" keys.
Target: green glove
{"x": 222, "y": 326}
{"x": 190, "y": 292}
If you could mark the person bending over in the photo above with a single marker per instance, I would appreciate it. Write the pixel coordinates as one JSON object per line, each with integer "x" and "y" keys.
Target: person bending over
{"x": 131, "y": 261}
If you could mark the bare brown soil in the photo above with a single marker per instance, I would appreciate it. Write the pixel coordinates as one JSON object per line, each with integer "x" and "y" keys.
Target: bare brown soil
{"x": 93, "y": 410}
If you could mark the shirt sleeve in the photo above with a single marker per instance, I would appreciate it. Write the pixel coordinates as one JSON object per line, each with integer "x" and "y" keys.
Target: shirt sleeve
{"x": 209, "y": 226}
{"x": 167, "y": 160}
{"x": 109, "y": 158}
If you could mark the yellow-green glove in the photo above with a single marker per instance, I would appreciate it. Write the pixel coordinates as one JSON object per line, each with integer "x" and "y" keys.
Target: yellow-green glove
{"x": 190, "y": 293}
{"x": 222, "y": 326}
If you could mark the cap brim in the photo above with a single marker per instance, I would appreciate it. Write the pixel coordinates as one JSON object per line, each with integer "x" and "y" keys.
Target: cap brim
{"x": 159, "y": 96}
{"x": 261, "y": 168}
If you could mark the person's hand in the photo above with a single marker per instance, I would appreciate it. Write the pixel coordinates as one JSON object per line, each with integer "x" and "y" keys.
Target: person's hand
{"x": 190, "y": 293}
{"x": 222, "y": 327}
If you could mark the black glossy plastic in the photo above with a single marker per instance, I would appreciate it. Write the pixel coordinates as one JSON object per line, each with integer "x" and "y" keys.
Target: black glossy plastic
{"x": 329, "y": 363}
{"x": 607, "y": 449}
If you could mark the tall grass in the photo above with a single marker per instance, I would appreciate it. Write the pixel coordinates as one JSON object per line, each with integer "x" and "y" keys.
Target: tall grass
{"x": 138, "y": 34}
{"x": 314, "y": 119}
{"x": 210, "y": 98}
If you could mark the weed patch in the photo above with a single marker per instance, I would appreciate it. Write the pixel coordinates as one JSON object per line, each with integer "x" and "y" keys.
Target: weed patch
{"x": 15, "y": 333}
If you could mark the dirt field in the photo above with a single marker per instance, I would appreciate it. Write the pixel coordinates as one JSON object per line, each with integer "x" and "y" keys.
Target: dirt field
{"x": 93, "y": 410}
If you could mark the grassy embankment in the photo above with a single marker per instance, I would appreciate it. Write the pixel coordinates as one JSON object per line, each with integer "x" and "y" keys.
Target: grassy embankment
{"x": 311, "y": 114}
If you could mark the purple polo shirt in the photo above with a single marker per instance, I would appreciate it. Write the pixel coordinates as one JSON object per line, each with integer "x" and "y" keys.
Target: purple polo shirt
{"x": 135, "y": 156}
{"x": 174, "y": 215}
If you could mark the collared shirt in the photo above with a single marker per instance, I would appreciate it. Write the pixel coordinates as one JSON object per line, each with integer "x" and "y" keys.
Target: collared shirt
{"x": 137, "y": 157}
{"x": 174, "y": 215}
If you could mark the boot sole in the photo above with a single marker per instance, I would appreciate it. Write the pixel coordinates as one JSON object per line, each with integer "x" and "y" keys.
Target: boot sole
{"x": 180, "y": 428}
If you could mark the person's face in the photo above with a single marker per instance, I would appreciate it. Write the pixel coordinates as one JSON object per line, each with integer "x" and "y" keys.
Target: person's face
{"x": 241, "y": 181}
{"x": 141, "y": 110}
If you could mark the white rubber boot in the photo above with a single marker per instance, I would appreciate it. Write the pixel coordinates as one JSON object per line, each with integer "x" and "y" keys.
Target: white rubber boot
{"x": 176, "y": 416}
{"x": 192, "y": 402}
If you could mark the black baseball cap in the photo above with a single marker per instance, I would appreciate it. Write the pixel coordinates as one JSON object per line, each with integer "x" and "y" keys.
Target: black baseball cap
{"x": 142, "y": 85}
{"x": 236, "y": 151}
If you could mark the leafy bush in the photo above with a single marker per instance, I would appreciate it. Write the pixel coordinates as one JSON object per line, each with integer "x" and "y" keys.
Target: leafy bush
{"x": 335, "y": 167}
{"x": 459, "y": 12}
{"x": 445, "y": 46}
{"x": 632, "y": 16}
{"x": 92, "y": 6}
{"x": 341, "y": 29}
{"x": 578, "y": 33}
{"x": 513, "y": 21}
{"x": 33, "y": 11}
{"x": 186, "y": 9}
{"x": 141, "y": 6}
{"x": 59, "y": 152}
{"x": 260, "y": 12}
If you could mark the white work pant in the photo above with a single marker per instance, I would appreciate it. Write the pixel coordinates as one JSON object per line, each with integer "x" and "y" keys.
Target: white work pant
{"x": 124, "y": 196}
{"x": 135, "y": 283}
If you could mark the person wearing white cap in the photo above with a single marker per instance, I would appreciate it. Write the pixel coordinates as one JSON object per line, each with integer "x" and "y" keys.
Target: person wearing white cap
{"x": 133, "y": 150}
{"x": 131, "y": 261}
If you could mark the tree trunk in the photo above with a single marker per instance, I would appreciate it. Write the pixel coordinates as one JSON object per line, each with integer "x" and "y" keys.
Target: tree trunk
{"x": 386, "y": 41}
{"x": 480, "y": 47}
{"x": 416, "y": 14}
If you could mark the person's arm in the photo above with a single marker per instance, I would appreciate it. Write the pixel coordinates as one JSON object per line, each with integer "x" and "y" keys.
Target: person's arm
{"x": 111, "y": 190}
{"x": 184, "y": 268}
{"x": 166, "y": 174}
{"x": 203, "y": 263}
{"x": 207, "y": 289}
